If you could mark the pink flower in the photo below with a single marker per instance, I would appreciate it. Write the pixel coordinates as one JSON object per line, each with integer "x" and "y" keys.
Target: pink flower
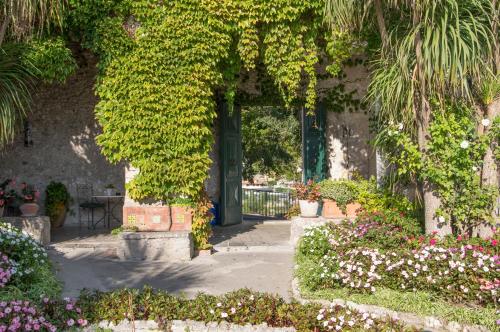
{"x": 459, "y": 238}
{"x": 432, "y": 242}
{"x": 494, "y": 242}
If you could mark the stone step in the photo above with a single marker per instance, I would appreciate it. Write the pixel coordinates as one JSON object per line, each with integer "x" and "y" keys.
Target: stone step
{"x": 253, "y": 248}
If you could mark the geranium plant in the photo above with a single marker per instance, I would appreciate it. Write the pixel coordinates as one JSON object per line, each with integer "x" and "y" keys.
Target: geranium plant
{"x": 308, "y": 191}
{"x": 28, "y": 193}
{"x": 7, "y": 193}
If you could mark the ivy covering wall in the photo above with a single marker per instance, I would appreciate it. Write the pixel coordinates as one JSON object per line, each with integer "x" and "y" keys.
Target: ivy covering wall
{"x": 162, "y": 63}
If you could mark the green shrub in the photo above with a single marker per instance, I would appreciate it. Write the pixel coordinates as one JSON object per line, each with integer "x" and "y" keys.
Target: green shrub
{"x": 57, "y": 195}
{"x": 341, "y": 191}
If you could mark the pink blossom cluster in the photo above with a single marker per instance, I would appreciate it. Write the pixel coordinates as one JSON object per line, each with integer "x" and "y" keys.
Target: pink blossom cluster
{"x": 22, "y": 316}
{"x": 6, "y": 269}
{"x": 65, "y": 312}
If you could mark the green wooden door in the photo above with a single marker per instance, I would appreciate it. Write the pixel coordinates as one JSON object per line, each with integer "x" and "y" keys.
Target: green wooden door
{"x": 314, "y": 144}
{"x": 231, "y": 156}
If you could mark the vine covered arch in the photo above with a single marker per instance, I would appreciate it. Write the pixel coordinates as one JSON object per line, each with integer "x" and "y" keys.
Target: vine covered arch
{"x": 161, "y": 64}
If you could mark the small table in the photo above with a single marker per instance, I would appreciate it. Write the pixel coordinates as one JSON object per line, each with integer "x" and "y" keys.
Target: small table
{"x": 112, "y": 202}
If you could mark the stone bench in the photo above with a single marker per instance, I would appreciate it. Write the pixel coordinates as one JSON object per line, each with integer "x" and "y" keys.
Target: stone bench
{"x": 37, "y": 227}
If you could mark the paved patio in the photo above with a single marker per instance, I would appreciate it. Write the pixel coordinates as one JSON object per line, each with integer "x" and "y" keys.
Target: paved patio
{"x": 254, "y": 254}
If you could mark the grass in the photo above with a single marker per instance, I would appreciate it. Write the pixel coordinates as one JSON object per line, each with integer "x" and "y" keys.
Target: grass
{"x": 419, "y": 302}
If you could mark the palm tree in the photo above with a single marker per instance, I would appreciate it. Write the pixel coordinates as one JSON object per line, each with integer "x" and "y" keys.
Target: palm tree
{"x": 20, "y": 20}
{"x": 431, "y": 49}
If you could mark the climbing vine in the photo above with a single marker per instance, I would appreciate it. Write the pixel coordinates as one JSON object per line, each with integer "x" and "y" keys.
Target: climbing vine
{"x": 162, "y": 65}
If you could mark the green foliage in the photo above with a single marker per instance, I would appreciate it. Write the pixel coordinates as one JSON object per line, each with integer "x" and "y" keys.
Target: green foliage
{"x": 271, "y": 142}
{"x": 452, "y": 162}
{"x": 162, "y": 64}
{"x": 375, "y": 199}
{"x": 15, "y": 84}
{"x": 56, "y": 194}
{"x": 51, "y": 59}
{"x": 201, "y": 228}
{"x": 341, "y": 191}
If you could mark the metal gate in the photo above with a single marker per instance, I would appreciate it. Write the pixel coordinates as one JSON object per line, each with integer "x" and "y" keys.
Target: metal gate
{"x": 267, "y": 202}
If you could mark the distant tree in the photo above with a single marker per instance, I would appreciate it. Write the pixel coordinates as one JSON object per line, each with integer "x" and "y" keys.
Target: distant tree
{"x": 271, "y": 142}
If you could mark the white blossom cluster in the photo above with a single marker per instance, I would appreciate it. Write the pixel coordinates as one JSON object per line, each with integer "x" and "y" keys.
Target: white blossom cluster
{"x": 22, "y": 248}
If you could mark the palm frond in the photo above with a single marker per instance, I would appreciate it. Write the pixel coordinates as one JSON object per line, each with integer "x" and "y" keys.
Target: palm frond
{"x": 15, "y": 97}
{"x": 29, "y": 16}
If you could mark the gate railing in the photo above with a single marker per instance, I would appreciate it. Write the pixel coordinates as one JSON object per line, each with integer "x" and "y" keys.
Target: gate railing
{"x": 267, "y": 202}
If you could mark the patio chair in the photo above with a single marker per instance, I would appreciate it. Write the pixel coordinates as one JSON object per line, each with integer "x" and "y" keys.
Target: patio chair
{"x": 86, "y": 203}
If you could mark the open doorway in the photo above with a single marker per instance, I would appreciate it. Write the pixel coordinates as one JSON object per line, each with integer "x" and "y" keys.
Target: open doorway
{"x": 263, "y": 151}
{"x": 271, "y": 160}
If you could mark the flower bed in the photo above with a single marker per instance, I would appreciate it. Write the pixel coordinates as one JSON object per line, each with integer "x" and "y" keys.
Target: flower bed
{"x": 240, "y": 307}
{"x": 385, "y": 252}
{"x": 25, "y": 270}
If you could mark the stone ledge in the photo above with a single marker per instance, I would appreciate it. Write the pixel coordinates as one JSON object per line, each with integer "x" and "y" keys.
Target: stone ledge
{"x": 300, "y": 224}
{"x": 182, "y": 326}
{"x": 156, "y": 246}
{"x": 154, "y": 235}
{"x": 37, "y": 227}
{"x": 427, "y": 323}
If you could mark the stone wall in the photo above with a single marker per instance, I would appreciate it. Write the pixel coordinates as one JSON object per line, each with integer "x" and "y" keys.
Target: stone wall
{"x": 64, "y": 148}
{"x": 64, "y": 131}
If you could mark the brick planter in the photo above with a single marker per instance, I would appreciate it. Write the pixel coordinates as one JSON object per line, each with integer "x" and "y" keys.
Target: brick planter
{"x": 158, "y": 218}
{"x": 332, "y": 211}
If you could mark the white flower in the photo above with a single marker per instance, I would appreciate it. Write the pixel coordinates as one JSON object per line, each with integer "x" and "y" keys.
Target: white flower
{"x": 460, "y": 269}
{"x": 212, "y": 311}
{"x": 219, "y": 304}
{"x": 485, "y": 122}
{"x": 223, "y": 314}
{"x": 400, "y": 126}
{"x": 233, "y": 310}
{"x": 464, "y": 144}
{"x": 474, "y": 168}
{"x": 486, "y": 269}
{"x": 441, "y": 219}
{"x": 320, "y": 317}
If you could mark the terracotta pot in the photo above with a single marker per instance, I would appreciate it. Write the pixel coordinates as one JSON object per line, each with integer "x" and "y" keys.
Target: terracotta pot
{"x": 29, "y": 209}
{"x": 331, "y": 210}
{"x": 59, "y": 216}
{"x": 308, "y": 209}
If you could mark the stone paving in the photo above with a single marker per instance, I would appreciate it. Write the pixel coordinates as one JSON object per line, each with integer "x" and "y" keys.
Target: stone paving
{"x": 87, "y": 259}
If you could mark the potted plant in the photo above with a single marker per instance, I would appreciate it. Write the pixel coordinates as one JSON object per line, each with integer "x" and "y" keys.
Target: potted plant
{"x": 109, "y": 189}
{"x": 339, "y": 198}
{"x": 57, "y": 203}
{"x": 29, "y": 196}
{"x": 8, "y": 195}
{"x": 308, "y": 196}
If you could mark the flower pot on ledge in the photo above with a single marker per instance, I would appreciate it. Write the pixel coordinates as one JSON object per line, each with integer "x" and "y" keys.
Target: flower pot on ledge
{"x": 29, "y": 209}
{"x": 308, "y": 209}
{"x": 331, "y": 210}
